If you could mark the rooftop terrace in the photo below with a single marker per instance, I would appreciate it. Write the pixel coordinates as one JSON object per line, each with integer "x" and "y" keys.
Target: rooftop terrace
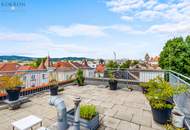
{"x": 119, "y": 110}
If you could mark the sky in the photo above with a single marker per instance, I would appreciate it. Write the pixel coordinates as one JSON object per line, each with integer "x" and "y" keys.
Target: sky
{"x": 91, "y": 28}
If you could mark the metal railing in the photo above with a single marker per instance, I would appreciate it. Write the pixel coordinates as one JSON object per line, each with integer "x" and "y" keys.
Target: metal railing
{"x": 182, "y": 101}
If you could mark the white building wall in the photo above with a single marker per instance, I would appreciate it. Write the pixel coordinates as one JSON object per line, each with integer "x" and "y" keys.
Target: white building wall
{"x": 65, "y": 75}
{"x": 34, "y": 78}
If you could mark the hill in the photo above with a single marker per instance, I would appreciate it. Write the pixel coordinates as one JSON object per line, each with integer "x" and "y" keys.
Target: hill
{"x": 25, "y": 58}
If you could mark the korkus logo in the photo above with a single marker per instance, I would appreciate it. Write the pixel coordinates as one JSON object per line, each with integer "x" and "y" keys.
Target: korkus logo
{"x": 12, "y": 5}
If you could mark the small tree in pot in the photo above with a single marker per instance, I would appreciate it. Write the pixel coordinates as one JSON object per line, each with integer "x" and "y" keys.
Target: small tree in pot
{"x": 112, "y": 81}
{"x": 80, "y": 77}
{"x": 12, "y": 85}
{"x": 159, "y": 94}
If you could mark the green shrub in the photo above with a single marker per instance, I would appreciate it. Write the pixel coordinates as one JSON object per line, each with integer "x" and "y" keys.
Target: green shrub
{"x": 87, "y": 111}
{"x": 159, "y": 91}
{"x": 80, "y": 77}
{"x": 111, "y": 75}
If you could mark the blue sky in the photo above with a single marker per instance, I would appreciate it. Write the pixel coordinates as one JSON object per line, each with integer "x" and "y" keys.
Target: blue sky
{"x": 91, "y": 28}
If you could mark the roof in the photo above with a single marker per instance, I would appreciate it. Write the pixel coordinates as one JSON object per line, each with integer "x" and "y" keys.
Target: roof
{"x": 42, "y": 66}
{"x": 155, "y": 59}
{"x": 100, "y": 68}
{"x": 48, "y": 62}
{"x": 78, "y": 65}
{"x": 26, "y": 67}
{"x": 63, "y": 65}
{"x": 9, "y": 66}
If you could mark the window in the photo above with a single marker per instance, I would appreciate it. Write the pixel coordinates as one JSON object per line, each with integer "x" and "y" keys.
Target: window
{"x": 43, "y": 76}
{"x": 24, "y": 78}
{"x": 33, "y": 78}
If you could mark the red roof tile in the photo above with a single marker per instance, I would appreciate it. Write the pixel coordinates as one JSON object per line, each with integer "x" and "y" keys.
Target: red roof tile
{"x": 63, "y": 65}
{"x": 26, "y": 67}
{"x": 9, "y": 66}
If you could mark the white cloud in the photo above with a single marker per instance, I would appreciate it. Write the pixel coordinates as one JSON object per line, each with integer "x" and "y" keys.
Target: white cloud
{"x": 124, "y": 28}
{"x": 178, "y": 10}
{"x": 127, "y": 18}
{"x": 148, "y": 15}
{"x": 161, "y": 7}
{"x": 77, "y": 30}
{"x": 182, "y": 27}
{"x": 124, "y": 5}
{"x": 22, "y": 37}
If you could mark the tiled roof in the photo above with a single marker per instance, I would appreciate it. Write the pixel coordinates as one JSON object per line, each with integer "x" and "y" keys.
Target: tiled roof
{"x": 155, "y": 59}
{"x": 78, "y": 65}
{"x": 42, "y": 66}
{"x": 100, "y": 68}
{"x": 9, "y": 66}
{"x": 63, "y": 66}
{"x": 26, "y": 67}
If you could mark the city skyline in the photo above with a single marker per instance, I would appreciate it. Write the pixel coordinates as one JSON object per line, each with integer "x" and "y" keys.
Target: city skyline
{"x": 93, "y": 29}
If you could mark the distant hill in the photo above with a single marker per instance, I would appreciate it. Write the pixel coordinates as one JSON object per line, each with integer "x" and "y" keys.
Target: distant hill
{"x": 25, "y": 58}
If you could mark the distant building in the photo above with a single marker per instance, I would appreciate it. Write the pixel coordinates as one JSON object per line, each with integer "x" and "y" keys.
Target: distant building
{"x": 88, "y": 71}
{"x": 150, "y": 63}
{"x": 64, "y": 70}
{"x": 33, "y": 77}
{"x": 99, "y": 73}
{"x": 8, "y": 68}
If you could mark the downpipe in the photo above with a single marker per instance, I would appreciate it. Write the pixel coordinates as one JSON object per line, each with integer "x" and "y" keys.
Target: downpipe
{"x": 59, "y": 104}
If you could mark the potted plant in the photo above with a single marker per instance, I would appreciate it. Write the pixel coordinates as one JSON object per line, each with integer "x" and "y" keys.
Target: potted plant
{"x": 53, "y": 87}
{"x": 159, "y": 94}
{"x": 80, "y": 77}
{"x": 89, "y": 117}
{"x": 12, "y": 85}
{"x": 144, "y": 87}
{"x": 112, "y": 81}
{"x": 53, "y": 83}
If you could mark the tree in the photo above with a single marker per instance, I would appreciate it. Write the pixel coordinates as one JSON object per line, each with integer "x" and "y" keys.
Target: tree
{"x": 37, "y": 62}
{"x": 134, "y": 62}
{"x": 126, "y": 64}
{"x": 176, "y": 55}
{"x": 112, "y": 64}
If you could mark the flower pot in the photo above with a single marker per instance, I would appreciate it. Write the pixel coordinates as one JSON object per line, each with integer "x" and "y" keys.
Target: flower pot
{"x": 177, "y": 118}
{"x": 113, "y": 84}
{"x": 144, "y": 90}
{"x": 161, "y": 116}
{"x": 80, "y": 83}
{"x": 92, "y": 124}
{"x": 54, "y": 90}
{"x": 13, "y": 94}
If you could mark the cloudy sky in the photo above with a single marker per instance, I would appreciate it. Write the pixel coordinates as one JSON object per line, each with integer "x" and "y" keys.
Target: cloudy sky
{"x": 91, "y": 28}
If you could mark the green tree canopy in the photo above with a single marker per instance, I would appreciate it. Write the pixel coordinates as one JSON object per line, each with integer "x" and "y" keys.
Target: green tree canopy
{"x": 126, "y": 64}
{"x": 176, "y": 55}
{"x": 37, "y": 62}
{"x": 112, "y": 64}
